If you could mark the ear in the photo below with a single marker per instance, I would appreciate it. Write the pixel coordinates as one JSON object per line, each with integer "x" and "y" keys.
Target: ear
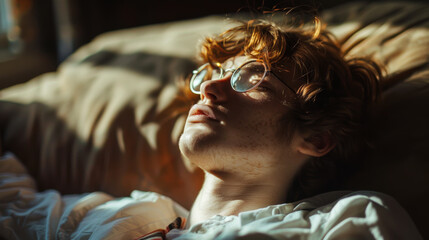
{"x": 317, "y": 145}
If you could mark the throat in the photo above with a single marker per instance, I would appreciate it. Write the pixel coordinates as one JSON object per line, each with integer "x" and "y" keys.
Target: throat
{"x": 219, "y": 197}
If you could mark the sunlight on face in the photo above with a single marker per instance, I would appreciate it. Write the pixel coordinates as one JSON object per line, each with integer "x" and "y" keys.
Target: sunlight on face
{"x": 244, "y": 126}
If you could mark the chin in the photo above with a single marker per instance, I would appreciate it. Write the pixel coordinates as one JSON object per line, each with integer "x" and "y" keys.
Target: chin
{"x": 192, "y": 141}
{"x": 196, "y": 143}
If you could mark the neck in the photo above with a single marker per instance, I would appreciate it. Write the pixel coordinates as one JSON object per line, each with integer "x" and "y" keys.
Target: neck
{"x": 222, "y": 195}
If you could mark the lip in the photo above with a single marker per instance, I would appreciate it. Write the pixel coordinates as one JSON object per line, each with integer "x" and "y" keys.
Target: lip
{"x": 200, "y": 112}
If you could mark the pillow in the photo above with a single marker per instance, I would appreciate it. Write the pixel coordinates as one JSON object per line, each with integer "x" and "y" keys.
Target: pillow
{"x": 109, "y": 119}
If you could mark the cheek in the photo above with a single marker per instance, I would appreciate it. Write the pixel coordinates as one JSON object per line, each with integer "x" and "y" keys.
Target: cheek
{"x": 257, "y": 139}
{"x": 262, "y": 119}
{"x": 258, "y": 129}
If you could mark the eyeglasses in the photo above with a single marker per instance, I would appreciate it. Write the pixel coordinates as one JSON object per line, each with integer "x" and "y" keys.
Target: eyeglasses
{"x": 245, "y": 78}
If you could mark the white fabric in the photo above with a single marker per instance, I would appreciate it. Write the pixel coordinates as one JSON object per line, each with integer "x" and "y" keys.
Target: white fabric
{"x": 334, "y": 215}
{"x": 28, "y": 214}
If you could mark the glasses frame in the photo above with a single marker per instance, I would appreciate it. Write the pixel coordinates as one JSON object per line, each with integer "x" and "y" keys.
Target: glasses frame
{"x": 233, "y": 70}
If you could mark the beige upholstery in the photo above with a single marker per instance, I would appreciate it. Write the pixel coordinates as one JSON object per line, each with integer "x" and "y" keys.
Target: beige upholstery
{"x": 110, "y": 117}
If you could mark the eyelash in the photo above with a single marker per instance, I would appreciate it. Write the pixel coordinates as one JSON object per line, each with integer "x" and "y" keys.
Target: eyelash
{"x": 265, "y": 89}
{"x": 264, "y": 86}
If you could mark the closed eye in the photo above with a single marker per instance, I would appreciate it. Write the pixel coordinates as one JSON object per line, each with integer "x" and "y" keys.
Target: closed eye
{"x": 264, "y": 87}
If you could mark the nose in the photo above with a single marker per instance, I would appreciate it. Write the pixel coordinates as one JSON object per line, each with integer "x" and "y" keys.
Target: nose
{"x": 216, "y": 90}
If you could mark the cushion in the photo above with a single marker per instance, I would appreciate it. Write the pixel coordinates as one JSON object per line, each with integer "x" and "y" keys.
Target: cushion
{"x": 110, "y": 117}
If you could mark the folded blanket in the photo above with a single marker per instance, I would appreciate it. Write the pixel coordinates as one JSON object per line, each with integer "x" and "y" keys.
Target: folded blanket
{"x": 28, "y": 214}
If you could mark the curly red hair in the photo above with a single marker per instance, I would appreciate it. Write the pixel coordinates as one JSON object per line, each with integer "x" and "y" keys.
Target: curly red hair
{"x": 335, "y": 93}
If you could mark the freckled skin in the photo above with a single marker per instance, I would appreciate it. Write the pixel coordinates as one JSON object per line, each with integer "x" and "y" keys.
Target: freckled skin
{"x": 246, "y": 140}
{"x": 247, "y": 163}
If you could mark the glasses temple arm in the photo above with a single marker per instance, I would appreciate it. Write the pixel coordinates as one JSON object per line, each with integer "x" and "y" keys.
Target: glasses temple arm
{"x": 282, "y": 82}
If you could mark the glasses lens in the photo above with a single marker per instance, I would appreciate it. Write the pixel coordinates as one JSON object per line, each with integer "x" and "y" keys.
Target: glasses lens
{"x": 203, "y": 74}
{"x": 248, "y": 76}
{"x": 197, "y": 79}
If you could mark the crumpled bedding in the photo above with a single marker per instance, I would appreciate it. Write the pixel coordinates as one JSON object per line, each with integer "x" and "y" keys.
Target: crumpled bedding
{"x": 28, "y": 214}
